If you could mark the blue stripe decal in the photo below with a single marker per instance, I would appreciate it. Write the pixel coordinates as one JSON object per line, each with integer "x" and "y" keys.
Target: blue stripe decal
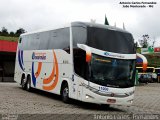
{"x": 33, "y": 77}
{"x": 19, "y": 60}
{"x": 22, "y": 57}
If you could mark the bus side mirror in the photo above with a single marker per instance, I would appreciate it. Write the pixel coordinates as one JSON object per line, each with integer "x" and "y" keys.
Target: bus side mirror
{"x": 144, "y": 59}
{"x": 88, "y": 51}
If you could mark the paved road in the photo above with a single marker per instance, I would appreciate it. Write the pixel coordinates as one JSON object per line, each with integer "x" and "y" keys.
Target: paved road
{"x": 42, "y": 105}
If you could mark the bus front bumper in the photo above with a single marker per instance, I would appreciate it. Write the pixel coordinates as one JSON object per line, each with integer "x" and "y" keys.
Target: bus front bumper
{"x": 92, "y": 97}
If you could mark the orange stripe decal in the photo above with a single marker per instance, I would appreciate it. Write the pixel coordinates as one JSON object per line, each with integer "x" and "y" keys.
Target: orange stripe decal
{"x": 88, "y": 56}
{"x": 52, "y": 76}
{"x": 39, "y": 69}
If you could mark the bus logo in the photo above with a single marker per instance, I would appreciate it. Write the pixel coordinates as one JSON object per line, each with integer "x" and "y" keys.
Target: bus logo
{"x": 53, "y": 76}
{"x": 113, "y": 55}
{"x": 106, "y": 54}
{"x": 38, "y": 56}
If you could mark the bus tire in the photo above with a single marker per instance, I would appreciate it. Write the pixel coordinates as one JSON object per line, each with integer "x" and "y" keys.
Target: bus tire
{"x": 65, "y": 93}
{"x": 23, "y": 82}
{"x": 28, "y": 83}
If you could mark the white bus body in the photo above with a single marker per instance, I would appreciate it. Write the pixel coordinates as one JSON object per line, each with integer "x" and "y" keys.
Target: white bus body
{"x": 54, "y": 70}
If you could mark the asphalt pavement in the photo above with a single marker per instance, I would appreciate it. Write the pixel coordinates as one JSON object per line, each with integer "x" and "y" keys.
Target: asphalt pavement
{"x": 16, "y": 103}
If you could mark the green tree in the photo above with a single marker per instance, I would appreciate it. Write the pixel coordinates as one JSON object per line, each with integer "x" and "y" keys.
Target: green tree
{"x": 11, "y": 34}
{"x": 146, "y": 42}
{"x": 4, "y": 32}
{"x": 19, "y": 32}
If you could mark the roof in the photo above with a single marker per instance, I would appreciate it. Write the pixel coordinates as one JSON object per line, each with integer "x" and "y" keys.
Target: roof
{"x": 47, "y": 29}
{"x": 84, "y": 24}
{"x": 8, "y": 46}
{"x": 90, "y": 24}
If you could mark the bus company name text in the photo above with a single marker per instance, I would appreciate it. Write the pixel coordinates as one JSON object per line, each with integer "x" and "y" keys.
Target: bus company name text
{"x": 112, "y": 55}
{"x": 38, "y": 56}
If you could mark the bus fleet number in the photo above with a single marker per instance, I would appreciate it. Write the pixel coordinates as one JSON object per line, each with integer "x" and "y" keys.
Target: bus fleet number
{"x": 103, "y": 88}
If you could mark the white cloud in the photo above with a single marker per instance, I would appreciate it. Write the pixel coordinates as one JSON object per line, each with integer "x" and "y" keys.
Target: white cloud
{"x": 38, "y": 14}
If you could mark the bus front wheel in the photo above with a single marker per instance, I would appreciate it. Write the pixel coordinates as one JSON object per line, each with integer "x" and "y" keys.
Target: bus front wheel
{"x": 65, "y": 93}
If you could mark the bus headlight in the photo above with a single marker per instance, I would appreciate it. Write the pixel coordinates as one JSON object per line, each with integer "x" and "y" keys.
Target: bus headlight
{"x": 88, "y": 96}
{"x": 130, "y": 101}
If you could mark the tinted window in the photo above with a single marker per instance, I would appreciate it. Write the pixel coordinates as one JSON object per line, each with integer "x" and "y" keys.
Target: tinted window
{"x": 140, "y": 70}
{"x": 55, "y": 39}
{"x": 110, "y": 40}
{"x": 112, "y": 72}
{"x": 20, "y": 43}
{"x": 44, "y": 37}
{"x": 157, "y": 70}
{"x": 79, "y": 35}
{"x": 150, "y": 70}
{"x": 59, "y": 39}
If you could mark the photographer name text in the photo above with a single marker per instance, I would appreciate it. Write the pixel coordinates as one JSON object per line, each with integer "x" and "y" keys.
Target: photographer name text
{"x": 142, "y": 4}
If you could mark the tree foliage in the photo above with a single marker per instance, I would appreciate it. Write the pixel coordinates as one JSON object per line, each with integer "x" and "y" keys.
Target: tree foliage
{"x": 20, "y": 31}
{"x": 4, "y": 32}
{"x": 145, "y": 42}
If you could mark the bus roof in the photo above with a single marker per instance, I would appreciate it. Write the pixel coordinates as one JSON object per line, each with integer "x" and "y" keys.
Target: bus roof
{"x": 142, "y": 67}
{"x": 89, "y": 24}
{"x": 84, "y": 24}
{"x": 157, "y": 68}
{"x": 46, "y": 29}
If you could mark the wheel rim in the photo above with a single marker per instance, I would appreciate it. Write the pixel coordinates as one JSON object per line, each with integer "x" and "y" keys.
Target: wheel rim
{"x": 23, "y": 83}
{"x": 65, "y": 92}
{"x": 28, "y": 85}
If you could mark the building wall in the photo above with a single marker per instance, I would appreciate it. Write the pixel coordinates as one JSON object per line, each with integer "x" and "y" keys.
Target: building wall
{"x": 7, "y": 65}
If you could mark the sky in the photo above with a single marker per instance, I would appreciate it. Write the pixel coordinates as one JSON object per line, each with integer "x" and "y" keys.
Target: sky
{"x": 33, "y": 15}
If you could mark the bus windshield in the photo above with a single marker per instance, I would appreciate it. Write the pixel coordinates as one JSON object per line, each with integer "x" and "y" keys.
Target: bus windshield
{"x": 112, "y": 72}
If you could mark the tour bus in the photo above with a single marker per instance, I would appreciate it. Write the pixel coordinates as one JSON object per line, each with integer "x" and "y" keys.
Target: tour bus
{"x": 148, "y": 75}
{"x": 84, "y": 61}
{"x": 157, "y": 71}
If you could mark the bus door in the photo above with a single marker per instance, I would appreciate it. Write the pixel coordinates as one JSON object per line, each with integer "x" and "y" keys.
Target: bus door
{"x": 77, "y": 87}
{"x": 80, "y": 70}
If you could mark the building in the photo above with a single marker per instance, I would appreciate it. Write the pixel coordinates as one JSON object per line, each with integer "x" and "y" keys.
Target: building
{"x": 7, "y": 60}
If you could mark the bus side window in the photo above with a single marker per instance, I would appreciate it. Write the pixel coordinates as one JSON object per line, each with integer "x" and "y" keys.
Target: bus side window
{"x": 59, "y": 39}
{"x": 80, "y": 64}
{"x": 20, "y": 44}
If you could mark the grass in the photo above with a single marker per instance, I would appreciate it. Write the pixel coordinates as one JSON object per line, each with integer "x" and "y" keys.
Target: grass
{"x": 8, "y": 38}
